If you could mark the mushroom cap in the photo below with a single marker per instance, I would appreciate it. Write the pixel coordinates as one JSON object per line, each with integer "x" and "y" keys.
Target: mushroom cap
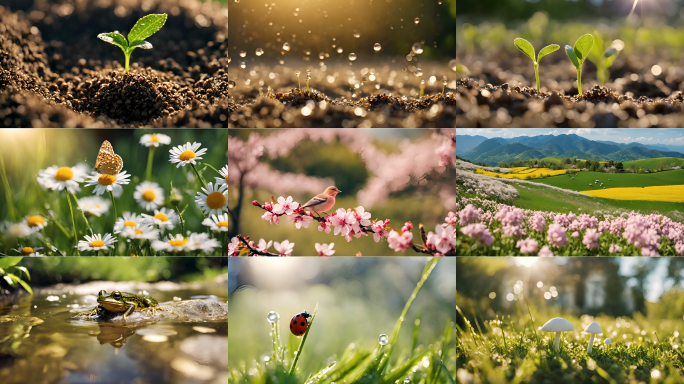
{"x": 607, "y": 341}
{"x": 593, "y": 328}
{"x": 557, "y": 324}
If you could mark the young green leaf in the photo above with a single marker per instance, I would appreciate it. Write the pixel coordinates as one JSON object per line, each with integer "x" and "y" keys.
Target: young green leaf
{"x": 583, "y": 46}
{"x": 146, "y": 27}
{"x": 610, "y": 52}
{"x": 571, "y": 54}
{"x": 114, "y": 38}
{"x": 525, "y": 47}
{"x": 546, "y": 50}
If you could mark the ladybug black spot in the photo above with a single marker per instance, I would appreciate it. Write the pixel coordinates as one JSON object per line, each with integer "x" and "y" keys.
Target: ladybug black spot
{"x": 301, "y": 332}
{"x": 302, "y": 323}
{"x": 290, "y": 326}
{"x": 297, "y": 315}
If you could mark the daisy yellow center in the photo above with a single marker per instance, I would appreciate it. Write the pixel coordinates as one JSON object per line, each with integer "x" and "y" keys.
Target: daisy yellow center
{"x": 26, "y": 251}
{"x": 215, "y": 200}
{"x": 148, "y": 195}
{"x": 131, "y": 224}
{"x": 222, "y": 224}
{"x": 187, "y": 155}
{"x": 154, "y": 139}
{"x": 226, "y": 178}
{"x": 138, "y": 232}
{"x": 161, "y": 216}
{"x": 106, "y": 179}
{"x": 178, "y": 242}
{"x": 97, "y": 243}
{"x": 34, "y": 221}
{"x": 64, "y": 174}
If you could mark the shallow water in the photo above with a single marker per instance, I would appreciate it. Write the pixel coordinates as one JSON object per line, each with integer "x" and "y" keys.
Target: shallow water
{"x": 43, "y": 339}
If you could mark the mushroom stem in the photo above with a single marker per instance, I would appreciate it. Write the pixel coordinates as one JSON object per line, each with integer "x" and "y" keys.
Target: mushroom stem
{"x": 591, "y": 343}
{"x": 556, "y": 341}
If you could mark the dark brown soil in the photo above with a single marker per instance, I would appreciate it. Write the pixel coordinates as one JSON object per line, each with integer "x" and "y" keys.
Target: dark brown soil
{"x": 78, "y": 79}
{"x": 493, "y": 95}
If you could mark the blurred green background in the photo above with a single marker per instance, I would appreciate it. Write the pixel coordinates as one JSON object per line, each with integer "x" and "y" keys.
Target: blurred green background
{"x": 358, "y": 299}
{"x": 26, "y": 151}
{"x": 338, "y": 162}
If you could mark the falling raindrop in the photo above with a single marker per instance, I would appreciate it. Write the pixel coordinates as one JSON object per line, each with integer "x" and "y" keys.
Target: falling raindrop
{"x": 340, "y": 50}
{"x": 272, "y": 317}
{"x": 243, "y": 65}
{"x": 243, "y": 53}
{"x": 357, "y": 34}
{"x": 307, "y": 52}
{"x": 286, "y": 47}
{"x": 352, "y": 56}
{"x": 377, "y": 47}
{"x": 383, "y": 339}
{"x": 417, "y": 48}
{"x": 231, "y": 84}
{"x": 259, "y": 52}
{"x": 416, "y": 21}
{"x": 419, "y": 73}
{"x": 452, "y": 65}
{"x": 409, "y": 57}
{"x": 321, "y": 55}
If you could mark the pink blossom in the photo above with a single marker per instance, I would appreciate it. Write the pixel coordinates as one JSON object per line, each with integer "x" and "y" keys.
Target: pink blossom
{"x": 679, "y": 247}
{"x": 591, "y": 238}
{"x": 480, "y": 232}
{"x": 284, "y": 248}
{"x": 575, "y": 234}
{"x": 399, "y": 242}
{"x": 556, "y": 235}
{"x": 380, "y": 229}
{"x": 300, "y": 221}
{"x": 324, "y": 225}
{"x": 444, "y": 238}
{"x": 514, "y": 231}
{"x": 614, "y": 248}
{"x": 361, "y": 216}
{"x": 469, "y": 214}
{"x": 234, "y": 247}
{"x": 342, "y": 221}
{"x": 285, "y": 206}
{"x": 446, "y": 152}
{"x": 263, "y": 245}
{"x": 451, "y": 218}
{"x": 528, "y": 246}
{"x": 271, "y": 217}
{"x": 325, "y": 249}
{"x": 407, "y": 226}
{"x": 545, "y": 252}
{"x": 646, "y": 251}
{"x": 268, "y": 206}
{"x": 537, "y": 222}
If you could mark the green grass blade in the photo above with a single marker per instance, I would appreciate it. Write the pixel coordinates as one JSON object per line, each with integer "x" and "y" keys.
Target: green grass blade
{"x": 8, "y": 191}
{"x": 525, "y": 47}
{"x": 416, "y": 325}
{"x": 301, "y": 345}
{"x": 147, "y": 26}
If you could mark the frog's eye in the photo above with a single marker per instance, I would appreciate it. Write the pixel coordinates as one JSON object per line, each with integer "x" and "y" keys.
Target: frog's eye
{"x": 116, "y": 294}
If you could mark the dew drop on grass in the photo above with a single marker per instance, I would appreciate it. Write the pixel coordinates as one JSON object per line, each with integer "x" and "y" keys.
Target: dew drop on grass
{"x": 444, "y": 81}
{"x": 419, "y": 72}
{"x": 297, "y": 73}
{"x": 286, "y": 47}
{"x": 409, "y": 57}
{"x": 243, "y": 53}
{"x": 417, "y": 48}
{"x": 452, "y": 65}
{"x": 383, "y": 339}
{"x": 259, "y": 52}
{"x": 340, "y": 50}
{"x": 352, "y": 56}
{"x": 231, "y": 84}
{"x": 422, "y": 83}
{"x": 272, "y": 316}
{"x": 377, "y": 47}
{"x": 357, "y": 34}
{"x": 416, "y": 21}
{"x": 243, "y": 65}
{"x": 407, "y": 380}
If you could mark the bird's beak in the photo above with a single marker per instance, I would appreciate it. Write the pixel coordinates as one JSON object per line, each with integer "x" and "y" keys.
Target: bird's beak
{"x": 338, "y": 191}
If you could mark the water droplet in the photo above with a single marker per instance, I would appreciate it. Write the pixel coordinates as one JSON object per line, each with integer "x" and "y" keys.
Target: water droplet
{"x": 259, "y": 52}
{"x": 452, "y": 65}
{"x": 416, "y": 21}
{"x": 383, "y": 339}
{"x": 229, "y": 59}
{"x": 419, "y": 72}
{"x": 146, "y": 45}
{"x": 243, "y": 53}
{"x": 407, "y": 380}
{"x": 104, "y": 37}
{"x": 243, "y": 65}
{"x": 237, "y": 1}
{"x": 231, "y": 84}
{"x": 286, "y": 47}
{"x": 444, "y": 81}
{"x": 357, "y": 34}
{"x": 340, "y": 50}
{"x": 409, "y": 57}
{"x": 321, "y": 55}
{"x": 272, "y": 316}
{"x": 352, "y": 56}
{"x": 307, "y": 52}
{"x": 422, "y": 83}
{"x": 297, "y": 73}
{"x": 377, "y": 47}
{"x": 417, "y": 48}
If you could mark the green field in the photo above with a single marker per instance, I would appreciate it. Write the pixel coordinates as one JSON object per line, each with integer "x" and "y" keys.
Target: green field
{"x": 653, "y": 163}
{"x": 617, "y": 180}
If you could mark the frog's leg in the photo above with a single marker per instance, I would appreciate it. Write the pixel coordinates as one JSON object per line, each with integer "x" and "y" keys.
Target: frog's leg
{"x": 95, "y": 311}
{"x": 130, "y": 309}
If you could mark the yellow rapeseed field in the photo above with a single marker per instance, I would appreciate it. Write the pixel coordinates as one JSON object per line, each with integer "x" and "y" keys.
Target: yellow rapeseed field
{"x": 533, "y": 172}
{"x": 518, "y": 169}
{"x": 672, "y": 193}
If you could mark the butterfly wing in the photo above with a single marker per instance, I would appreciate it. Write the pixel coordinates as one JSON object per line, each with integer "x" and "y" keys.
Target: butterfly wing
{"x": 108, "y": 163}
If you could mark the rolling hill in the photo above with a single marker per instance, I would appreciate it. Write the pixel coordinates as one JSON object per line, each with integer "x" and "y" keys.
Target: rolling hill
{"x": 653, "y": 163}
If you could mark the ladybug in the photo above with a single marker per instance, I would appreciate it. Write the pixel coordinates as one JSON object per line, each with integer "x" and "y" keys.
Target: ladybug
{"x": 299, "y": 323}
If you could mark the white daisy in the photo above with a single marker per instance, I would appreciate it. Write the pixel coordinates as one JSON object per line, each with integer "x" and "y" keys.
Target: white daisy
{"x": 129, "y": 220}
{"x": 164, "y": 218}
{"x": 57, "y": 178}
{"x": 35, "y": 222}
{"x": 224, "y": 172}
{"x": 214, "y": 200}
{"x": 149, "y": 195}
{"x": 104, "y": 183}
{"x": 171, "y": 243}
{"x": 217, "y": 223}
{"x": 186, "y": 154}
{"x": 17, "y": 230}
{"x": 97, "y": 242}
{"x": 28, "y": 251}
{"x": 155, "y": 139}
{"x": 142, "y": 232}
{"x": 94, "y": 205}
{"x": 202, "y": 242}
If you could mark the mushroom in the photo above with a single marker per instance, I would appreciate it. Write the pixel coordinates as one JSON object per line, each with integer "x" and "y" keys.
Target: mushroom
{"x": 558, "y": 325}
{"x": 593, "y": 329}
{"x": 607, "y": 342}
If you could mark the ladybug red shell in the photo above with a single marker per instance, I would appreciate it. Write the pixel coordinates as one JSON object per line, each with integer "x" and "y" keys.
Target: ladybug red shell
{"x": 299, "y": 323}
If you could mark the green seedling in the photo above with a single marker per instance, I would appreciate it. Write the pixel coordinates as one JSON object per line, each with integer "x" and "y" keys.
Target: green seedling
{"x": 525, "y": 47}
{"x": 422, "y": 88}
{"x": 604, "y": 58}
{"x": 578, "y": 54}
{"x": 143, "y": 28}
{"x": 308, "y": 77}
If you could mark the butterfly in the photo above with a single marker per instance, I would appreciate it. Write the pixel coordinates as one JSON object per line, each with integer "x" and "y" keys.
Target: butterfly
{"x": 108, "y": 162}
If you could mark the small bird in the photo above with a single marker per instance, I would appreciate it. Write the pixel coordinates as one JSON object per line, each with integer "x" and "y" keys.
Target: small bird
{"x": 323, "y": 201}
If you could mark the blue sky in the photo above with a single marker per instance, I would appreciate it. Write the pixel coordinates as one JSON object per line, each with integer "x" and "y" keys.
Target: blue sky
{"x": 669, "y": 136}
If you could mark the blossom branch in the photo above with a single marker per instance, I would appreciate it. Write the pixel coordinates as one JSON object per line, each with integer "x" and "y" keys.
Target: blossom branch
{"x": 253, "y": 251}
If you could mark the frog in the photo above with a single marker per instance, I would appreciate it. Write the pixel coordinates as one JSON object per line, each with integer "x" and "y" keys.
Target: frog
{"x": 124, "y": 302}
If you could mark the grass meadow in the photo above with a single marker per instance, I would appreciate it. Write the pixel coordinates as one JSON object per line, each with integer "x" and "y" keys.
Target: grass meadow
{"x": 617, "y": 180}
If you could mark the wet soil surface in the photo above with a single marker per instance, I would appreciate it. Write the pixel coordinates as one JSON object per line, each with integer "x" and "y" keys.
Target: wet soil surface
{"x": 55, "y": 72}
{"x": 270, "y": 97}
{"x": 640, "y": 93}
